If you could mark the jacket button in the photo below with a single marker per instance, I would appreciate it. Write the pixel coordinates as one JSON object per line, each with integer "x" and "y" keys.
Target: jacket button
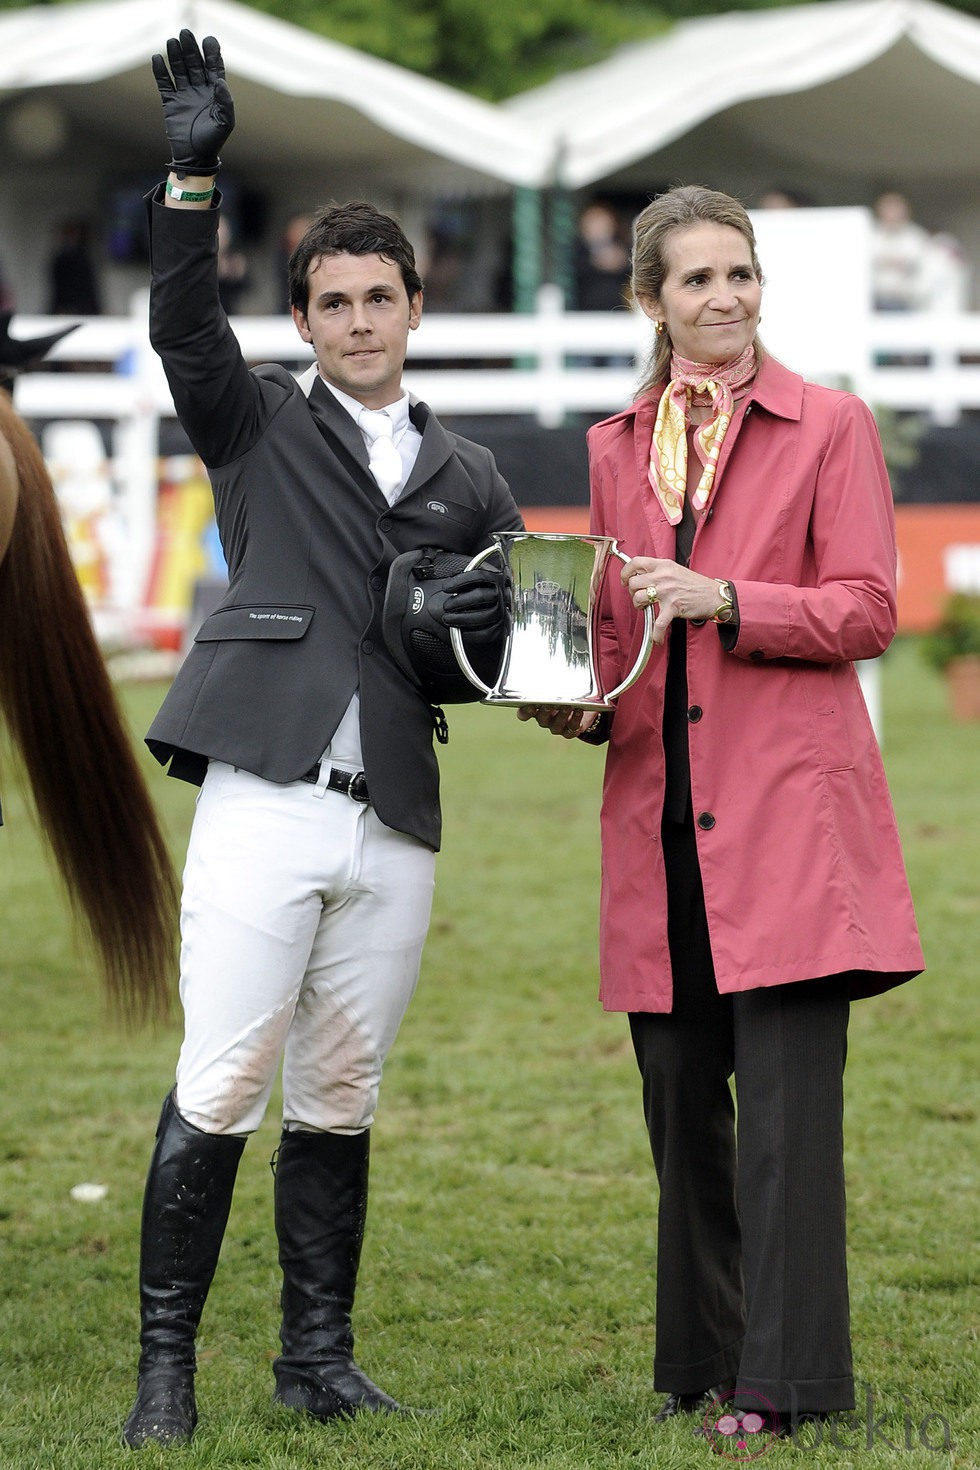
{"x": 706, "y": 821}
{"x": 694, "y": 713}
{"x": 367, "y": 646}
{"x": 757, "y": 654}
{"x": 385, "y": 523}
{"x": 376, "y": 583}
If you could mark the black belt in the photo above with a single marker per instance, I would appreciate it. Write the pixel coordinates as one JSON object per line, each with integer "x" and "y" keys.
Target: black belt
{"x": 350, "y": 783}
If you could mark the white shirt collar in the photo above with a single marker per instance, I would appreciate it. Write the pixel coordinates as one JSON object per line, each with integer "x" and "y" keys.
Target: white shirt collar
{"x": 397, "y": 411}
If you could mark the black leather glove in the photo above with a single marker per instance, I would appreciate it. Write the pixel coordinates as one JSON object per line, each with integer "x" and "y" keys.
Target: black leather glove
{"x": 477, "y": 603}
{"x": 198, "y": 112}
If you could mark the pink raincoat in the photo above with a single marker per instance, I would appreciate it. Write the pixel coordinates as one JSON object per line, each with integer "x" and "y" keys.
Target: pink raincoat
{"x": 799, "y": 853}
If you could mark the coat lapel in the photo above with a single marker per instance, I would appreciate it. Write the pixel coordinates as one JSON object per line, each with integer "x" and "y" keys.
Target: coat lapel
{"x": 341, "y": 432}
{"x": 775, "y": 389}
{"x": 738, "y": 418}
{"x": 436, "y": 448}
{"x": 336, "y": 421}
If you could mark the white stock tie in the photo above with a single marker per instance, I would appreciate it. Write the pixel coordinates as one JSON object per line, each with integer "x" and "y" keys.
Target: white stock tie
{"x": 384, "y": 459}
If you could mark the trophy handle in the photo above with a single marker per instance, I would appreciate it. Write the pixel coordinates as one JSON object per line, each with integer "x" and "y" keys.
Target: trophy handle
{"x": 645, "y": 647}
{"x": 456, "y": 637}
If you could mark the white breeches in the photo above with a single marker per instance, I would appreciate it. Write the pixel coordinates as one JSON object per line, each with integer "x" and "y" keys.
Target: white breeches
{"x": 302, "y": 925}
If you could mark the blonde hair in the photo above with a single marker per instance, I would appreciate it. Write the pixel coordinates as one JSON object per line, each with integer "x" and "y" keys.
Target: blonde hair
{"x": 678, "y": 209}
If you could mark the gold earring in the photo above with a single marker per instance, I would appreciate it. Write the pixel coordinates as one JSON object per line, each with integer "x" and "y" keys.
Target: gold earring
{"x": 660, "y": 328}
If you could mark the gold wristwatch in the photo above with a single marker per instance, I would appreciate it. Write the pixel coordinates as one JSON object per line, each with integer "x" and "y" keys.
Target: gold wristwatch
{"x": 725, "y": 611}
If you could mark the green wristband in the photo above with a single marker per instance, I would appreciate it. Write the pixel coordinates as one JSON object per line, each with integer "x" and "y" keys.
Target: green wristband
{"x": 189, "y": 194}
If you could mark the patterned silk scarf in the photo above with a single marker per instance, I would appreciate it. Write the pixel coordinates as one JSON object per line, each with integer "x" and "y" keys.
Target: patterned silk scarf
{"x": 694, "y": 384}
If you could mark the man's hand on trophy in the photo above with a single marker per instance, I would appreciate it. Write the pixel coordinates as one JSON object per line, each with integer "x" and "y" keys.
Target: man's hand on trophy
{"x": 198, "y": 110}
{"x": 477, "y": 603}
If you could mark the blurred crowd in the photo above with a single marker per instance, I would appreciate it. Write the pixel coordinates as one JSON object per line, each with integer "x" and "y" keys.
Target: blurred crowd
{"x": 913, "y": 268}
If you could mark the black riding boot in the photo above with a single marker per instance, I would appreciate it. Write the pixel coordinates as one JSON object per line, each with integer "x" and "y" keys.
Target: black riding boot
{"x": 321, "y": 1204}
{"x": 185, "y": 1211}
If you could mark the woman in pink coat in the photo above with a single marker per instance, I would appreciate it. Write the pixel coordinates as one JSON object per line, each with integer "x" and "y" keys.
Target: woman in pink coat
{"x": 752, "y": 878}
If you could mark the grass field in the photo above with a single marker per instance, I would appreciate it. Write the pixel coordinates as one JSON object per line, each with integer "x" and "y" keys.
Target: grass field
{"x": 507, "y": 1273}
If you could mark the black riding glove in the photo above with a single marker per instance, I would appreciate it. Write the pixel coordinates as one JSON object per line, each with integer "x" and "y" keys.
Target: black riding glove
{"x": 198, "y": 112}
{"x": 477, "y": 603}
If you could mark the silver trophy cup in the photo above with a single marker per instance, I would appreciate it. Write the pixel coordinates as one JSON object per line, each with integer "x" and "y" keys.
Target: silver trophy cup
{"x": 549, "y": 656}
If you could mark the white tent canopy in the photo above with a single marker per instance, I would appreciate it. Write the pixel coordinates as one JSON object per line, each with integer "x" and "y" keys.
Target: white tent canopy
{"x": 843, "y": 95}
{"x": 77, "y": 74}
{"x": 841, "y": 99}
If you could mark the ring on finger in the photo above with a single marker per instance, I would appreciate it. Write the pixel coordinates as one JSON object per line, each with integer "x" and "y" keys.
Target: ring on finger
{"x": 651, "y": 596}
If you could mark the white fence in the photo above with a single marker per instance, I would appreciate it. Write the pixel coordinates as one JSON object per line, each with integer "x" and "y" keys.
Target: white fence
{"x": 508, "y": 364}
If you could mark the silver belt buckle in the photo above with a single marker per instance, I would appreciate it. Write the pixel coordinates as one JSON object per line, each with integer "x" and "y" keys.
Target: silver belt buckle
{"x": 357, "y": 787}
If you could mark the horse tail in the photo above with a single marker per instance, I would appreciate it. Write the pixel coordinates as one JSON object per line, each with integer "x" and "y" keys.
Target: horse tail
{"x": 58, "y": 703}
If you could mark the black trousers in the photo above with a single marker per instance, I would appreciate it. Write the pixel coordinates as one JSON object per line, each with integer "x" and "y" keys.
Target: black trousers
{"x": 751, "y": 1264}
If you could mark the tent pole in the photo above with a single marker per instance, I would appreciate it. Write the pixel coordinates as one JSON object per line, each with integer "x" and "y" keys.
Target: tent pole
{"x": 526, "y": 260}
{"x": 561, "y": 242}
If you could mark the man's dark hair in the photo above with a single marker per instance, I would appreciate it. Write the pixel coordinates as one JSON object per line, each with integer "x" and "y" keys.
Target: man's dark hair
{"x": 356, "y": 228}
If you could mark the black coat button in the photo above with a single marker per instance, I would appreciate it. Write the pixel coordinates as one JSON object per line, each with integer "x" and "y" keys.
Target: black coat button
{"x": 757, "y": 654}
{"x": 706, "y": 821}
{"x": 367, "y": 646}
{"x": 376, "y": 583}
{"x": 694, "y": 713}
{"x": 385, "y": 523}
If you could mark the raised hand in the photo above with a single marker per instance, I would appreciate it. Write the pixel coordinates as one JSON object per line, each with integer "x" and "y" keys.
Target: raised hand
{"x": 198, "y": 110}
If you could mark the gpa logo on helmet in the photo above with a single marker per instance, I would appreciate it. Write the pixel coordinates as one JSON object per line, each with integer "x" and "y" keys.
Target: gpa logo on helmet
{"x": 418, "y": 599}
